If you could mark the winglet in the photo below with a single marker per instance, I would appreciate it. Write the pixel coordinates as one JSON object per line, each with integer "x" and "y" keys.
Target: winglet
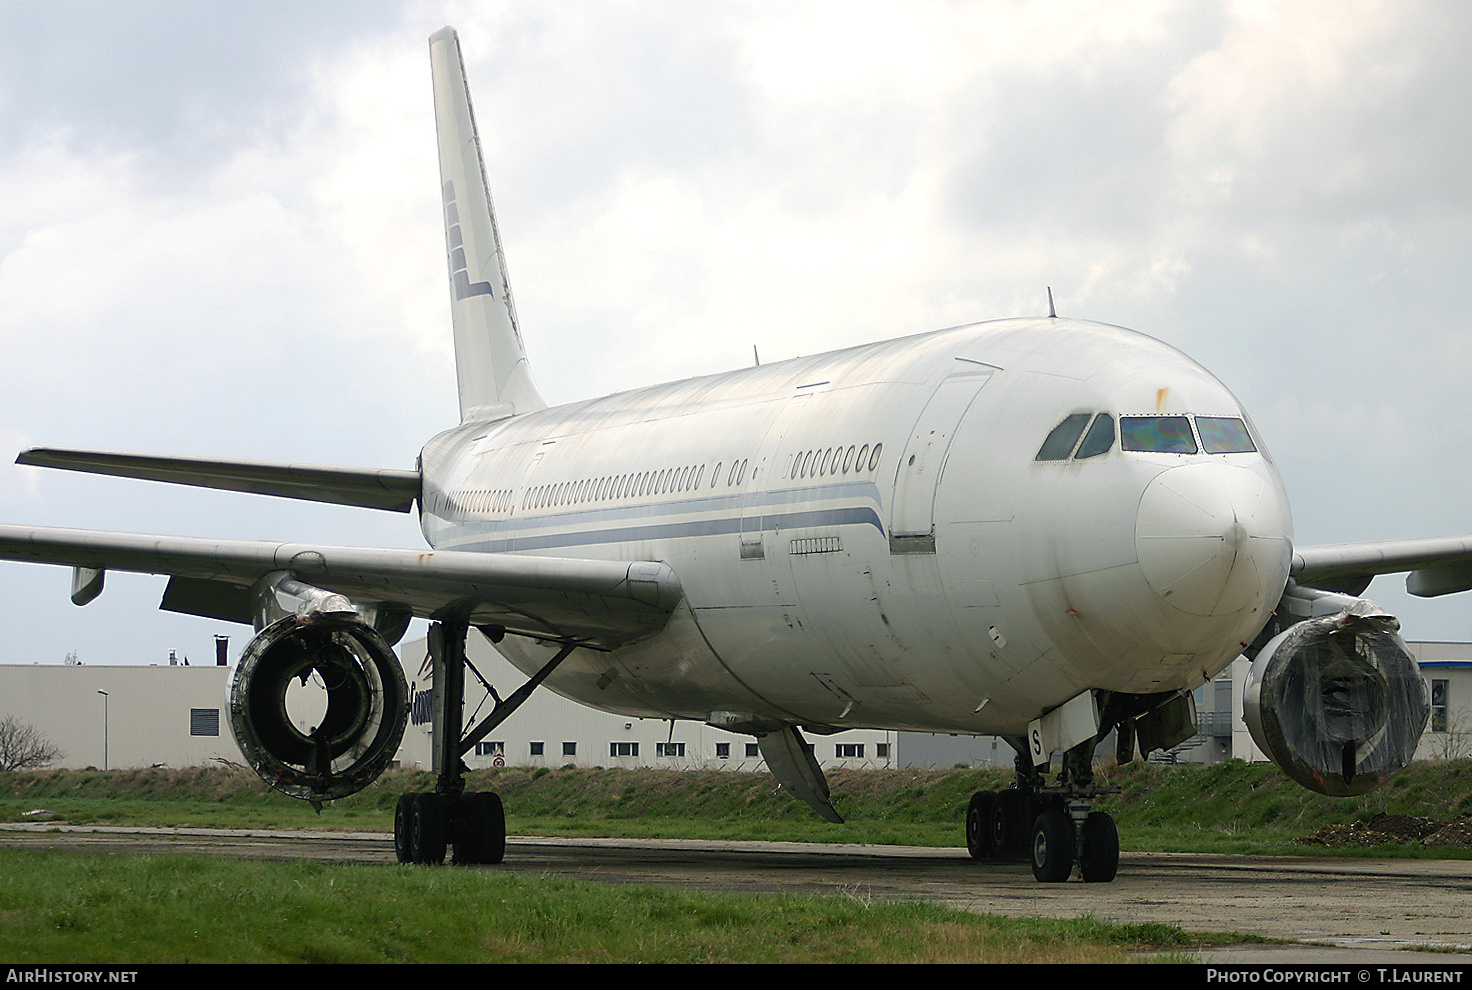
{"x": 490, "y": 361}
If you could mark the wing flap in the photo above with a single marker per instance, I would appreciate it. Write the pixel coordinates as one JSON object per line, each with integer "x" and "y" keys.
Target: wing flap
{"x": 597, "y": 602}
{"x": 368, "y": 488}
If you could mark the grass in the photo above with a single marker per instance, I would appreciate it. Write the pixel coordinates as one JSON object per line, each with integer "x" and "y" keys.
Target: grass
{"x": 88, "y": 908}
{"x": 1232, "y": 807}
{"x": 150, "y": 909}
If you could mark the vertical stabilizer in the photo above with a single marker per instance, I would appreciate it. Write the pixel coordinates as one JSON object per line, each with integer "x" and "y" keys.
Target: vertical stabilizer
{"x": 490, "y": 362}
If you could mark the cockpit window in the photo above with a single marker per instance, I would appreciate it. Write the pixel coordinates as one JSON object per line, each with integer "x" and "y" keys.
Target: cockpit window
{"x": 1161, "y": 434}
{"x": 1060, "y": 442}
{"x": 1099, "y": 438}
{"x": 1224, "y": 435}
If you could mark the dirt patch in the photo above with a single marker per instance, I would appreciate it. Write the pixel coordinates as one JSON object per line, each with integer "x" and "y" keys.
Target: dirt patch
{"x": 1385, "y": 829}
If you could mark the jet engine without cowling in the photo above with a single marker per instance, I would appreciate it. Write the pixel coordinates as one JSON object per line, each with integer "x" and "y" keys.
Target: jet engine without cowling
{"x": 1337, "y": 700}
{"x": 362, "y": 699}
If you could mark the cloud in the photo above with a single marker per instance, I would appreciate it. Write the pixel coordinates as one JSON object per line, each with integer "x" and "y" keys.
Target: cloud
{"x": 219, "y": 235}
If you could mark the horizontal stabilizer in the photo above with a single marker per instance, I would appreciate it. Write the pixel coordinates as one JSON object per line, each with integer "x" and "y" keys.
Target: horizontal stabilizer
{"x": 370, "y": 489}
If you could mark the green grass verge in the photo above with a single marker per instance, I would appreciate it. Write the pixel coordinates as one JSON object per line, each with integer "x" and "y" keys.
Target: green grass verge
{"x": 1232, "y": 807}
{"x": 70, "y": 907}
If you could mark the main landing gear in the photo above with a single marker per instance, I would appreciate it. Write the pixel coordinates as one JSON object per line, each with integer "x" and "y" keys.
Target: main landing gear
{"x": 1054, "y": 826}
{"x": 427, "y": 826}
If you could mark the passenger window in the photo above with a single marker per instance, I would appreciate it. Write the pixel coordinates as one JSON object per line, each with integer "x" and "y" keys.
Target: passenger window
{"x": 874, "y": 457}
{"x": 1060, "y": 442}
{"x": 1160, "y": 434}
{"x": 1099, "y": 438}
{"x": 1224, "y": 435}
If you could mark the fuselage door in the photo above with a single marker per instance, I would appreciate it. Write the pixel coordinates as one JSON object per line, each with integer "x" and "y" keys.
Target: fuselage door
{"x": 912, "y": 510}
{"x": 758, "y": 515}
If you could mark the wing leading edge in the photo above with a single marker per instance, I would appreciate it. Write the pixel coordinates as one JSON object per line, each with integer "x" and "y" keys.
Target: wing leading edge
{"x": 597, "y": 603}
{"x": 1439, "y": 565}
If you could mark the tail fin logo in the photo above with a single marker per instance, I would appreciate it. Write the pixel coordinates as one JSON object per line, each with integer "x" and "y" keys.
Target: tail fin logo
{"x": 459, "y": 269}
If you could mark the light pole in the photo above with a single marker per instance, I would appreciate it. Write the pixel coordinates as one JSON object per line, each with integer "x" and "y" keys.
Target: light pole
{"x": 104, "y": 727}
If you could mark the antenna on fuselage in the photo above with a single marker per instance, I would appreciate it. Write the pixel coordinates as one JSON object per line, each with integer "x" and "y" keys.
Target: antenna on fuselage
{"x": 1052, "y": 313}
{"x": 757, "y": 357}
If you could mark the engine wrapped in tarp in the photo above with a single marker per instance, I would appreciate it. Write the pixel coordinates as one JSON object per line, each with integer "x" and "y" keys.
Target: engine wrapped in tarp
{"x": 1337, "y": 701}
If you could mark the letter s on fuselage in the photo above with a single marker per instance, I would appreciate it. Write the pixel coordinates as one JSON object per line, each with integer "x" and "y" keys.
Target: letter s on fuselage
{"x": 867, "y": 538}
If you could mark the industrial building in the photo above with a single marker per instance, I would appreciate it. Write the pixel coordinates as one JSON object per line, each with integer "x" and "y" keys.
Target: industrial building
{"x": 176, "y": 715}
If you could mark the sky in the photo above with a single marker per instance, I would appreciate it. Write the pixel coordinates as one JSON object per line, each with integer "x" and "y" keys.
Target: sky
{"x": 220, "y": 234}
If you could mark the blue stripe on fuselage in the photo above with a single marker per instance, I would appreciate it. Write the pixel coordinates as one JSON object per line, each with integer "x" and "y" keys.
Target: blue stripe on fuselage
{"x": 651, "y": 521}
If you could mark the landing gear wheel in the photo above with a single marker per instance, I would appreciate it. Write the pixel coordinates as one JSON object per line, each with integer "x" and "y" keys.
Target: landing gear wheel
{"x": 484, "y": 836}
{"x": 979, "y": 823}
{"x": 1098, "y": 857}
{"x": 1052, "y": 847}
{"x": 427, "y": 829}
{"x": 403, "y": 811}
{"x": 1004, "y": 837}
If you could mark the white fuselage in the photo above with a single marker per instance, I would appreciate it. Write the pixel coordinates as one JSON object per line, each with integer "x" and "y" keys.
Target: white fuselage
{"x": 867, "y": 538}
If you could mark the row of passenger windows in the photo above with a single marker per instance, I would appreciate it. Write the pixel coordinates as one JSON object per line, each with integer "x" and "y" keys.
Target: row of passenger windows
{"x": 814, "y": 463}
{"x": 606, "y": 488}
{"x": 610, "y": 487}
{"x": 821, "y": 461}
{"x": 476, "y": 501}
{"x": 1158, "y": 434}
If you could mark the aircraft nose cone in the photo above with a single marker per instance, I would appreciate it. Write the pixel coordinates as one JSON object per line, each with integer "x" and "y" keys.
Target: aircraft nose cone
{"x": 1212, "y": 539}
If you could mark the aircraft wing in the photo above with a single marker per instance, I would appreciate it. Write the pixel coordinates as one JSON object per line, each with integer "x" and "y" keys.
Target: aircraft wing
{"x": 372, "y": 489}
{"x": 595, "y": 602}
{"x": 1437, "y": 565}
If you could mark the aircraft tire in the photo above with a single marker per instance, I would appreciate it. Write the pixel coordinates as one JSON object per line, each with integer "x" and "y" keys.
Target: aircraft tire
{"x": 484, "y": 837}
{"x": 979, "y": 823}
{"x": 1098, "y": 858}
{"x": 403, "y": 813}
{"x": 427, "y": 829}
{"x": 1005, "y": 836}
{"x": 1052, "y": 847}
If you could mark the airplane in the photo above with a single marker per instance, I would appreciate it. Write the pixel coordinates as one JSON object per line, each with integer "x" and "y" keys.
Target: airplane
{"x": 1043, "y": 529}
